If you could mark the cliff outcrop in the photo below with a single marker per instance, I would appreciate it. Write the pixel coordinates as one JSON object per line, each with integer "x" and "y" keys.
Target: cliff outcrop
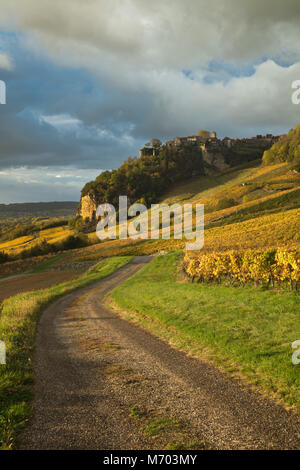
{"x": 215, "y": 161}
{"x": 88, "y": 206}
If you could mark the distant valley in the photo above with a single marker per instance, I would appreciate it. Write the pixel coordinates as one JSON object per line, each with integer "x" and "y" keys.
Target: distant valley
{"x": 38, "y": 209}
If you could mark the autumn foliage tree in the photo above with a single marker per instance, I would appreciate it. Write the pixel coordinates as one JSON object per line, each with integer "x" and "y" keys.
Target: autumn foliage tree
{"x": 287, "y": 149}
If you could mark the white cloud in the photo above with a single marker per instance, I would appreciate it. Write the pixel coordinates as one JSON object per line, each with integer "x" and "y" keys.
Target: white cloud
{"x": 60, "y": 120}
{"x": 42, "y": 184}
{"x": 5, "y": 61}
{"x": 241, "y": 105}
{"x": 162, "y": 33}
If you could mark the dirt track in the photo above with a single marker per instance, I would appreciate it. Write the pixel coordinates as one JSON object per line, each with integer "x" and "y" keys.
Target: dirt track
{"x": 95, "y": 370}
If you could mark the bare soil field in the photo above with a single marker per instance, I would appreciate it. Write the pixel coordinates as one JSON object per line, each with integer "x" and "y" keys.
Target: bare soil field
{"x": 28, "y": 282}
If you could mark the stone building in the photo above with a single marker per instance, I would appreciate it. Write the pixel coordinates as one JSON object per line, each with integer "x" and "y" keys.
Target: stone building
{"x": 148, "y": 151}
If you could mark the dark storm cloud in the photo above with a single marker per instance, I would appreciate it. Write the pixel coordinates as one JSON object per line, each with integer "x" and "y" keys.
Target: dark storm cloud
{"x": 89, "y": 82}
{"x": 35, "y": 89}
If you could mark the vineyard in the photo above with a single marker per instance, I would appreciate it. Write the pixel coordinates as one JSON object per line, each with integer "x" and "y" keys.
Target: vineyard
{"x": 272, "y": 267}
{"x": 51, "y": 235}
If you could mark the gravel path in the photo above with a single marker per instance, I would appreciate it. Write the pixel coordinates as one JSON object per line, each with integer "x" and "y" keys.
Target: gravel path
{"x": 105, "y": 383}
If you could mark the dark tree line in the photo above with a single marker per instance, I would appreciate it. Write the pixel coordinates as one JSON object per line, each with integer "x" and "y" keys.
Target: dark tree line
{"x": 145, "y": 179}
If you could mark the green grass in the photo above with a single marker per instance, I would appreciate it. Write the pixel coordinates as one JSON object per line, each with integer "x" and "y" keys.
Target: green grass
{"x": 247, "y": 331}
{"x": 135, "y": 412}
{"x": 48, "y": 263}
{"x": 166, "y": 432}
{"x": 159, "y": 425}
{"x": 201, "y": 187}
{"x": 18, "y": 319}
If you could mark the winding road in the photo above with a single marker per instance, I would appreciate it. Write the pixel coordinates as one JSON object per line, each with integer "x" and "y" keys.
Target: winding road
{"x": 100, "y": 379}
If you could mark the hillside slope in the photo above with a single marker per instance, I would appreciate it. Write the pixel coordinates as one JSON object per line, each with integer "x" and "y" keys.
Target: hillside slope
{"x": 287, "y": 149}
{"x": 146, "y": 178}
{"x": 241, "y": 193}
{"x": 249, "y": 206}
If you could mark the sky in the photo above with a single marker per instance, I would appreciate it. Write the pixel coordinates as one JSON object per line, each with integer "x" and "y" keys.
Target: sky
{"x": 88, "y": 83}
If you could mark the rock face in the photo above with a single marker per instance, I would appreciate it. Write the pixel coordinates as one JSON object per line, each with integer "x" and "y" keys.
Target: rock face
{"x": 88, "y": 207}
{"x": 215, "y": 160}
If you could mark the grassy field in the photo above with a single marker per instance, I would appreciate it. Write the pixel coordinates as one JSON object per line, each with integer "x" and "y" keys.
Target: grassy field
{"x": 18, "y": 319}
{"x": 247, "y": 331}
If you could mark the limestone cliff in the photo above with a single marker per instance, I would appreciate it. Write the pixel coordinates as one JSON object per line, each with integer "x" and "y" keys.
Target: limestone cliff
{"x": 88, "y": 206}
{"x": 215, "y": 161}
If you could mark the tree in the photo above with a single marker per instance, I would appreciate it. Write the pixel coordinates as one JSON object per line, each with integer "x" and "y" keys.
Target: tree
{"x": 156, "y": 143}
{"x": 285, "y": 150}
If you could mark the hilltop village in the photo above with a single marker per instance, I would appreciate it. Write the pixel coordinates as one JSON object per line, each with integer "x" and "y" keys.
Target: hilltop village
{"x": 217, "y": 154}
{"x": 208, "y": 141}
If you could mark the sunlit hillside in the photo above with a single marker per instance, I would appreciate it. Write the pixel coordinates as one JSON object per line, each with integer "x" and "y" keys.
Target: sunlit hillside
{"x": 263, "y": 211}
{"x": 236, "y": 186}
{"x": 245, "y": 207}
{"x": 250, "y": 206}
{"x": 51, "y": 235}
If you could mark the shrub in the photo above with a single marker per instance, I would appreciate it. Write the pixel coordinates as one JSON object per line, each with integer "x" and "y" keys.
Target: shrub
{"x": 225, "y": 203}
{"x": 73, "y": 241}
{"x": 3, "y": 257}
{"x": 40, "y": 248}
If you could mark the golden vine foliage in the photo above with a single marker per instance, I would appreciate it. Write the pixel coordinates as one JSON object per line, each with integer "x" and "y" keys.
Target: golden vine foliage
{"x": 274, "y": 266}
